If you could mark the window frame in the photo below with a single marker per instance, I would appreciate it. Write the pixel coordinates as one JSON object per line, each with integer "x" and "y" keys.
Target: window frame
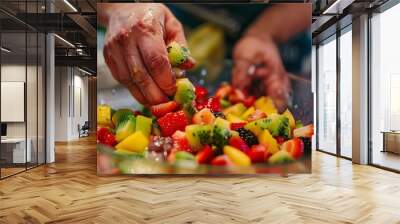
{"x": 335, "y": 36}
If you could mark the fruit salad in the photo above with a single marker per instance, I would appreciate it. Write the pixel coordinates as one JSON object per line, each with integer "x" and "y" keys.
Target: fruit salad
{"x": 195, "y": 129}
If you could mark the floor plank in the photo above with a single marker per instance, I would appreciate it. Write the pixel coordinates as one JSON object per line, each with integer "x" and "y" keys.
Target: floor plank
{"x": 69, "y": 191}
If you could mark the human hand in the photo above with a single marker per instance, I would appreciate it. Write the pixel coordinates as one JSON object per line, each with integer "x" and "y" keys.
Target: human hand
{"x": 135, "y": 49}
{"x": 259, "y": 59}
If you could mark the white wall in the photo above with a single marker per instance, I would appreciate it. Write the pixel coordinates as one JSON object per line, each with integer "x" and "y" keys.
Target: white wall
{"x": 71, "y": 93}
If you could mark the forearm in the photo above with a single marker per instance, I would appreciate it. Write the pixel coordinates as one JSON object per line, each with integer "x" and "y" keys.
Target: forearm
{"x": 281, "y": 22}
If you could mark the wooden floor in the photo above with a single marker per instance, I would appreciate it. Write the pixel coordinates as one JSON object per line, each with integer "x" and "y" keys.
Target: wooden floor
{"x": 386, "y": 159}
{"x": 11, "y": 170}
{"x": 70, "y": 192}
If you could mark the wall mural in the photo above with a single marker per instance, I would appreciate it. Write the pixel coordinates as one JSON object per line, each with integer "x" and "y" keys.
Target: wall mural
{"x": 204, "y": 88}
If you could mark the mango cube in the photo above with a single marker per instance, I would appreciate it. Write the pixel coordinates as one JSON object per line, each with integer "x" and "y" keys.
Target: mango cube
{"x": 238, "y": 157}
{"x": 266, "y": 139}
{"x": 136, "y": 142}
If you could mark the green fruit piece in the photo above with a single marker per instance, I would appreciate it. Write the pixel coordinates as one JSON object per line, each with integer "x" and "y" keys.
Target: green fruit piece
{"x": 189, "y": 109}
{"x": 289, "y": 115}
{"x": 299, "y": 124}
{"x": 146, "y": 112}
{"x": 258, "y": 126}
{"x": 198, "y": 135}
{"x": 220, "y": 134}
{"x": 279, "y": 126}
{"x": 182, "y": 155}
{"x": 222, "y": 123}
{"x": 184, "y": 92}
{"x": 125, "y": 128}
{"x": 130, "y": 154}
{"x": 120, "y": 115}
{"x": 280, "y": 157}
{"x": 144, "y": 124}
{"x": 225, "y": 103}
{"x": 125, "y": 166}
{"x": 237, "y": 109}
{"x": 177, "y": 54}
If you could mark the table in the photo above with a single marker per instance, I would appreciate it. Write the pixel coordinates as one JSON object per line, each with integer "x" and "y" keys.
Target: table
{"x": 16, "y": 147}
{"x": 391, "y": 141}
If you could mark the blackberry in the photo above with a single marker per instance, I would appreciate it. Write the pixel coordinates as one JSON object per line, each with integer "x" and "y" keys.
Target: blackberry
{"x": 247, "y": 136}
{"x": 219, "y": 114}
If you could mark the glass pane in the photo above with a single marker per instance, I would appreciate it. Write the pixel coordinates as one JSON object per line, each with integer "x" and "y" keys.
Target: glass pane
{"x": 385, "y": 89}
{"x": 327, "y": 97}
{"x": 13, "y": 84}
{"x": 31, "y": 97}
{"x": 346, "y": 94}
{"x": 41, "y": 99}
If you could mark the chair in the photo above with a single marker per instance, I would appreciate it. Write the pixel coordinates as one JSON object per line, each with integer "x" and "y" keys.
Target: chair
{"x": 84, "y": 130}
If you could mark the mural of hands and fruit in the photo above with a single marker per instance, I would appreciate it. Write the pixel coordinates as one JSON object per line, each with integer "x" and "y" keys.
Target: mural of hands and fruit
{"x": 228, "y": 132}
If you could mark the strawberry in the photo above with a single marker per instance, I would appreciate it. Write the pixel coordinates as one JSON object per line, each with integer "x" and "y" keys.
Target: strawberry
{"x": 172, "y": 122}
{"x": 280, "y": 139}
{"x": 249, "y": 101}
{"x": 306, "y": 131}
{"x": 214, "y": 104}
{"x": 187, "y": 64}
{"x": 200, "y": 105}
{"x": 181, "y": 143}
{"x": 236, "y": 96}
{"x": 221, "y": 160}
{"x": 164, "y": 108}
{"x": 204, "y": 116}
{"x": 104, "y": 136}
{"x": 238, "y": 125}
{"x": 110, "y": 140}
{"x": 201, "y": 93}
{"x": 136, "y": 113}
{"x": 223, "y": 91}
{"x": 205, "y": 155}
{"x": 295, "y": 147}
{"x": 239, "y": 143}
{"x": 256, "y": 115}
{"x": 258, "y": 154}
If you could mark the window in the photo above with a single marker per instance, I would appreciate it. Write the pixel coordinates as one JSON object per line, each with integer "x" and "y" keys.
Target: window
{"x": 346, "y": 93}
{"x": 385, "y": 88}
{"x": 326, "y": 129}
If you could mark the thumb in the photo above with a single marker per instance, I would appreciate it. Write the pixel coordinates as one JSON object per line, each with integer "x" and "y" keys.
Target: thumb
{"x": 173, "y": 29}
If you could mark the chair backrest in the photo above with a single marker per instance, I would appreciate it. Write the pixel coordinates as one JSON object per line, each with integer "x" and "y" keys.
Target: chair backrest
{"x": 86, "y": 125}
